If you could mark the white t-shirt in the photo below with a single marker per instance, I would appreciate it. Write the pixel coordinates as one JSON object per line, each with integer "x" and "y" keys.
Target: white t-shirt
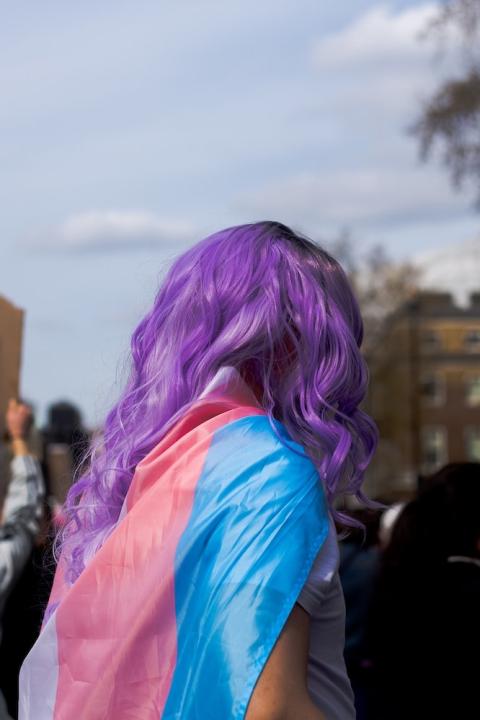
{"x": 322, "y": 597}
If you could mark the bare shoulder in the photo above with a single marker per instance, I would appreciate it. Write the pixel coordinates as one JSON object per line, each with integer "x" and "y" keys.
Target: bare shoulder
{"x": 281, "y": 689}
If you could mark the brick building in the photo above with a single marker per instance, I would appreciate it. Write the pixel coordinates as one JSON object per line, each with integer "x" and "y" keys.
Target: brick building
{"x": 424, "y": 391}
{"x": 11, "y": 331}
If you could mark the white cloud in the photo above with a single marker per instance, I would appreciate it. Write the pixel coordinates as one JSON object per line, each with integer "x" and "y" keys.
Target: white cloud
{"x": 455, "y": 268}
{"x": 364, "y": 197}
{"x": 115, "y": 229}
{"x": 371, "y": 75}
{"x": 381, "y": 66}
{"x": 378, "y": 36}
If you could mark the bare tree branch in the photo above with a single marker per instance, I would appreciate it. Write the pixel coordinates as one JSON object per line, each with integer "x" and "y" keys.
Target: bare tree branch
{"x": 451, "y": 117}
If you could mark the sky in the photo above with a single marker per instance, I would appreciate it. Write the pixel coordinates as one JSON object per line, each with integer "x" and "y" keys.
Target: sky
{"x": 129, "y": 130}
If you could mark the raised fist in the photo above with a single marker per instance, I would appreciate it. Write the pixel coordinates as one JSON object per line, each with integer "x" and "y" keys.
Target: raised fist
{"x": 18, "y": 419}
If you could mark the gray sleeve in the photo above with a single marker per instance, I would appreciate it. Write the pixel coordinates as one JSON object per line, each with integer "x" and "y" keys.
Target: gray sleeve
{"x": 321, "y": 574}
{"x": 22, "y": 512}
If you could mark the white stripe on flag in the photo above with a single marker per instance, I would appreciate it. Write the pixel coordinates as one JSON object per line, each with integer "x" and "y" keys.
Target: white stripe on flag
{"x": 39, "y": 676}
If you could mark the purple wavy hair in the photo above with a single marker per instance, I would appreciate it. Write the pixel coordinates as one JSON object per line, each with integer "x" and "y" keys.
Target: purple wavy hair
{"x": 277, "y": 307}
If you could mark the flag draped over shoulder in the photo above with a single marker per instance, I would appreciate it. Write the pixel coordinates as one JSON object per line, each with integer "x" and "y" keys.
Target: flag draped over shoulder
{"x": 176, "y": 614}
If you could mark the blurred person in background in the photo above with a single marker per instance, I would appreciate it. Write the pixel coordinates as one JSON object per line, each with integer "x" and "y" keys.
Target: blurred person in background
{"x": 198, "y": 567}
{"x": 359, "y": 564}
{"x": 424, "y": 628}
{"x": 60, "y": 445}
{"x": 65, "y": 427}
{"x": 387, "y": 522}
{"x": 56, "y": 446}
{"x": 22, "y": 507}
{"x": 64, "y": 441}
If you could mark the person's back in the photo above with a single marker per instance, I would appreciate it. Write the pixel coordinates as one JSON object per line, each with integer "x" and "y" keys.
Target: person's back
{"x": 187, "y": 542}
{"x": 426, "y": 643}
{"x": 424, "y": 623}
{"x": 451, "y": 628}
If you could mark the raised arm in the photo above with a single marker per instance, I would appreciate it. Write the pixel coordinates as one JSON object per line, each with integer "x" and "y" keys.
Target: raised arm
{"x": 22, "y": 510}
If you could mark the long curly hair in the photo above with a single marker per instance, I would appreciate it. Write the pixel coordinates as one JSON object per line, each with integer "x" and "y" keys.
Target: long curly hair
{"x": 269, "y": 302}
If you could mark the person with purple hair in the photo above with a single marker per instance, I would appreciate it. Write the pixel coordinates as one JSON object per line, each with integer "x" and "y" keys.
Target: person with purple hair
{"x": 197, "y": 571}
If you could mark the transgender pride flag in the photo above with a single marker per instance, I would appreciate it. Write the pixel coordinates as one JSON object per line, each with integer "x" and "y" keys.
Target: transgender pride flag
{"x": 175, "y": 616}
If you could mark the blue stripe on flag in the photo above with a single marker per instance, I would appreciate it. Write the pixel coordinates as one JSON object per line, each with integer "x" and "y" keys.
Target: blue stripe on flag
{"x": 258, "y": 520}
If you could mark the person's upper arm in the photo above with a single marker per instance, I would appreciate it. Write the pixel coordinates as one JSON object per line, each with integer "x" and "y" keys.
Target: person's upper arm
{"x": 324, "y": 567}
{"x": 26, "y": 490}
{"x": 281, "y": 690}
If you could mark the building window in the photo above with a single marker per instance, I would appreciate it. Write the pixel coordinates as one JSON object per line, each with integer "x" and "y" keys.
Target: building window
{"x": 430, "y": 340}
{"x": 472, "y": 341}
{"x": 434, "y": 448}
{"x": 432, "y": 389}
{"x": 472, "y": 443}
{"x": 472, "y": 391}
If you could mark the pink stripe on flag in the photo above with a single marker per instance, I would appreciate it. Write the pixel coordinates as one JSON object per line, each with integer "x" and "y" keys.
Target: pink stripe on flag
{"x": 116, "y": 645}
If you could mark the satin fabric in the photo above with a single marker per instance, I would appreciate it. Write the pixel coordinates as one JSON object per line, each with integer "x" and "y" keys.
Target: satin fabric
{"x": 175, "y": 616}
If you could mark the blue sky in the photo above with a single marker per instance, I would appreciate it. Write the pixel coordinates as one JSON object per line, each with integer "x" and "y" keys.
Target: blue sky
{"x": 130, "y": 129}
